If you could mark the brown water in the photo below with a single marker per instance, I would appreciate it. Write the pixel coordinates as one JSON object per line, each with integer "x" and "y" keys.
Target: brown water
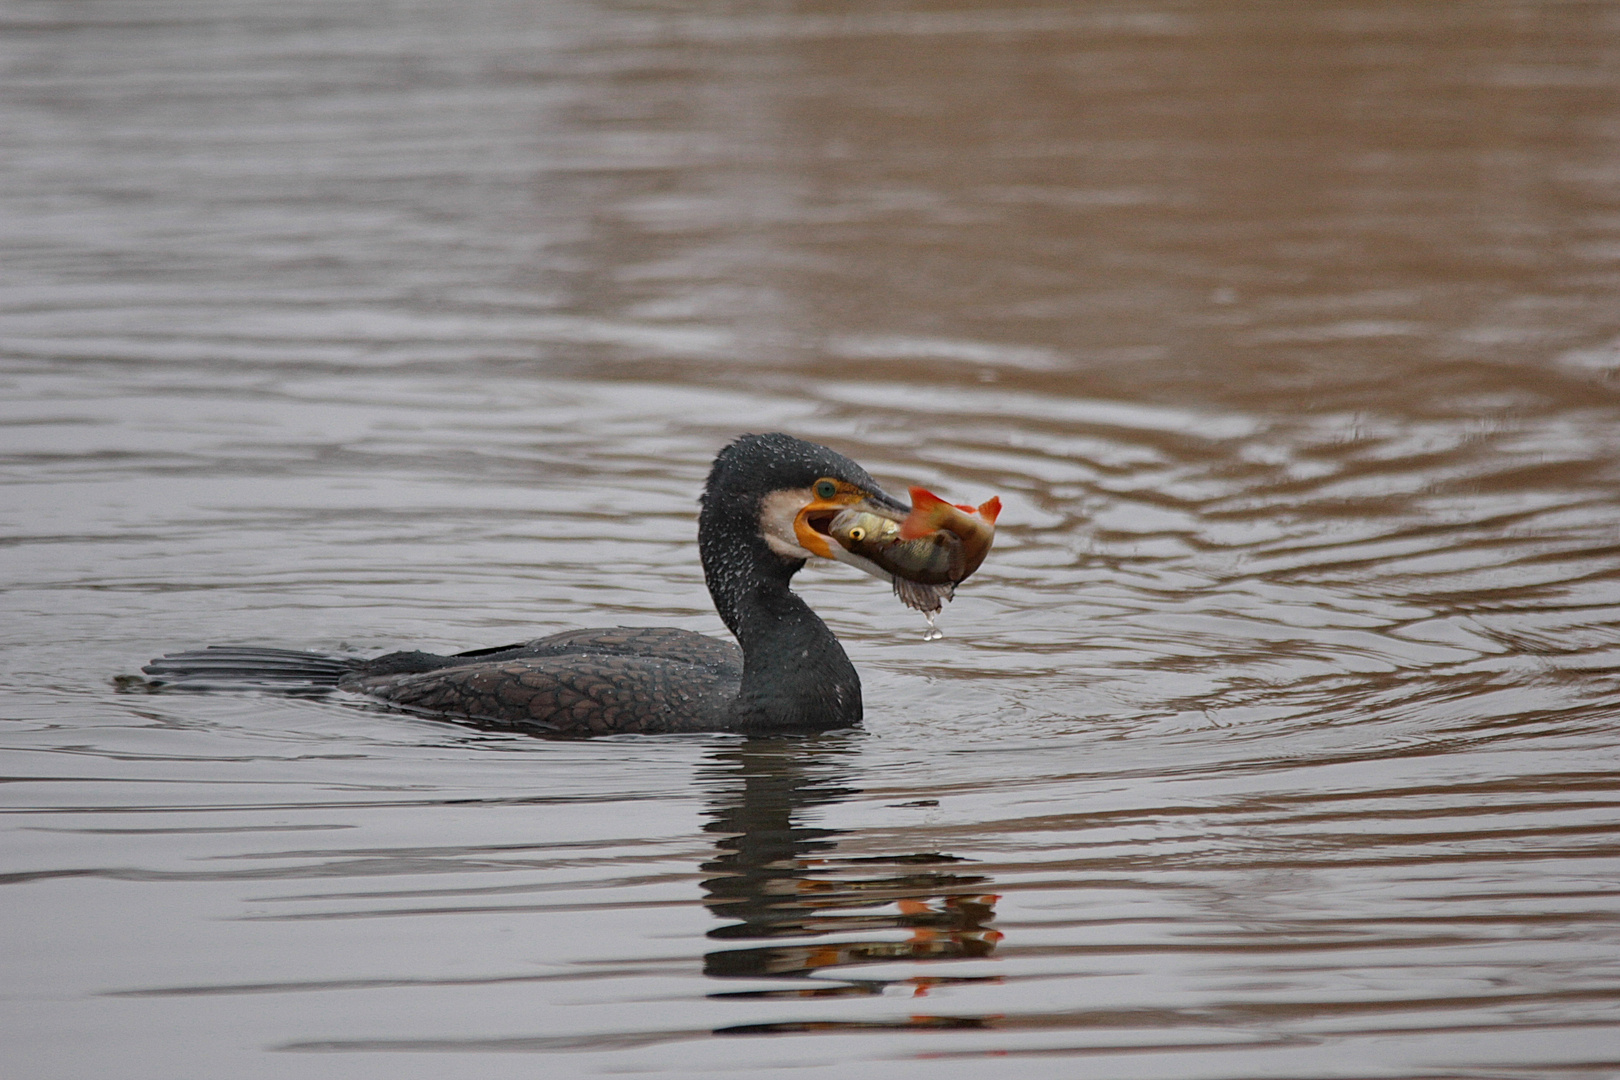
{"x": 1276, "y": 738}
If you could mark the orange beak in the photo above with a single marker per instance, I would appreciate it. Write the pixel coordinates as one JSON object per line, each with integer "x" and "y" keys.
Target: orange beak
{"x": 811, "y": 524}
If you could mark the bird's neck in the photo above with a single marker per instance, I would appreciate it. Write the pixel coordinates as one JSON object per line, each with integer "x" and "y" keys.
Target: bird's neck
{"x": 796, "y": 676}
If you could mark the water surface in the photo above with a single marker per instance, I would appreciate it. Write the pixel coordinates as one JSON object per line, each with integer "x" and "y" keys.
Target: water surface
{"x": 1275, "y": 739}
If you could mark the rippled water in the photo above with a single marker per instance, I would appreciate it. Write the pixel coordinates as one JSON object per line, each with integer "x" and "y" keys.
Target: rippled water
{"x": 1276, "y": 738}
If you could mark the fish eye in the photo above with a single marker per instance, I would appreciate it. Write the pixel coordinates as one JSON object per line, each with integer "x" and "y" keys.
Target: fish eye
{"x": 857, "y": 534}
{"x": 826, "y": 489}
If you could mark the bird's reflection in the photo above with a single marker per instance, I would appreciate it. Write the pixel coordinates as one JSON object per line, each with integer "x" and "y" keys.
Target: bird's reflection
{"x": 779, "y": 882}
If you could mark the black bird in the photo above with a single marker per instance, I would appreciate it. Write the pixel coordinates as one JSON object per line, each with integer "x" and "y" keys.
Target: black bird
{"x": 765, "y": 510}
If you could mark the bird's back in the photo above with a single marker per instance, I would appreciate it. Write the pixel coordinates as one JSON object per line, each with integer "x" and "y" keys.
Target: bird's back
{"x": 580, "y": 682}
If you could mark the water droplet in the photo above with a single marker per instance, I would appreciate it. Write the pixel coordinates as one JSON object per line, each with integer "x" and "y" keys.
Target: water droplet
{"x": 933, "y": 633}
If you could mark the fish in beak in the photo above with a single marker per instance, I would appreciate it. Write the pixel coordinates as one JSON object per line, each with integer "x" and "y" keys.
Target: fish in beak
{"x": 926, "y": 549}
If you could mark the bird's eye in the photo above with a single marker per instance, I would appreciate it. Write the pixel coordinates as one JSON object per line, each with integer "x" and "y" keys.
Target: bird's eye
{"x": 826, "y": 489}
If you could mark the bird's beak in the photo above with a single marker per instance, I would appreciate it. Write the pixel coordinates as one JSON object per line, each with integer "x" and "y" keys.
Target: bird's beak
{"x": 810, "y": 526}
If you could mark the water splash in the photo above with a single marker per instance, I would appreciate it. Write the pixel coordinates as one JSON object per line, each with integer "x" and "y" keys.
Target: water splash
{"x": 933, "y": 633}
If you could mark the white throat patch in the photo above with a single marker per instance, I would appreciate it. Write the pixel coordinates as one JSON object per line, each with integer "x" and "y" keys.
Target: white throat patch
{"x": 776, "y": 516}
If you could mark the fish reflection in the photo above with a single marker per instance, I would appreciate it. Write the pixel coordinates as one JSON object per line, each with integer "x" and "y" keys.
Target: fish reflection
{"x": 774, "y": 878}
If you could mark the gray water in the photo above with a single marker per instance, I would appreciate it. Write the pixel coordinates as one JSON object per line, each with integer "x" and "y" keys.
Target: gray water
{"x": 1276, "y": 738}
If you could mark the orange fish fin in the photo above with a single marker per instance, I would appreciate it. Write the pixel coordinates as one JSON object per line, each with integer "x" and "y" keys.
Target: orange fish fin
{"x": 990, "y": 509}
{"x": 925, "y": 516}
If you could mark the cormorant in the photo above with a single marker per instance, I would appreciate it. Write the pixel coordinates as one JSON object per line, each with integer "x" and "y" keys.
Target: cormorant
{"x": 766, "y": 508}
